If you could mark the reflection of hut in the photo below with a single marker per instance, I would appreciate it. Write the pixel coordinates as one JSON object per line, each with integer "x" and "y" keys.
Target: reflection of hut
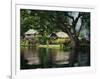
{"x": 30, "y": 33}
{"x": 61, "y": 57}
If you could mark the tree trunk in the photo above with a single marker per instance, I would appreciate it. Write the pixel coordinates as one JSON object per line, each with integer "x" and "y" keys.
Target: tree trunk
{"x": 73, "y": 57}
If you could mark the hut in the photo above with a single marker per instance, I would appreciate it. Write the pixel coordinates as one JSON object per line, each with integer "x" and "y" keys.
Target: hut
{"x": 30, "y": 33}
{"x": 30, "y": 36}
{"x": 59, "y": 35}
{"x": 53, "y": 36}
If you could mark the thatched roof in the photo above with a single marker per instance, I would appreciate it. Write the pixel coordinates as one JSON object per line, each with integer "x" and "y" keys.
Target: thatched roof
{"x": 59, "y": 35}
{"x": 31, "y": 31}
{"x": 62, "y": 34}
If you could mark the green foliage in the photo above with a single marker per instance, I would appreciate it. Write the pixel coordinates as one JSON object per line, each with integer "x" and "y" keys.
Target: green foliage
{"x": 24, "y": 42}
{"x": 47, "y": 22}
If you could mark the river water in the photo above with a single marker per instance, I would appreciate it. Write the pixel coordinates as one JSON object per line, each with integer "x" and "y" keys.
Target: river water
{"x": 33, "y": 58}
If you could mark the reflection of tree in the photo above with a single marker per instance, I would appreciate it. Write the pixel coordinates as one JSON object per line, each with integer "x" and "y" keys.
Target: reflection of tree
{"x": 46, "y": 22}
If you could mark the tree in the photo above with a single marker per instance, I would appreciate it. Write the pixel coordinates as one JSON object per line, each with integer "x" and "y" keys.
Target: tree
{"x": 70, "y": 29}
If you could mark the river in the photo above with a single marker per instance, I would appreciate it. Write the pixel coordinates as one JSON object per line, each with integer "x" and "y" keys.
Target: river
{"x": 33, "y": 58}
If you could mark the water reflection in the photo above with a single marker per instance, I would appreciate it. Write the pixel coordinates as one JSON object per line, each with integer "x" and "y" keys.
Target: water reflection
{"x": 32, "y": 58}
{"x": 43, "y": 57}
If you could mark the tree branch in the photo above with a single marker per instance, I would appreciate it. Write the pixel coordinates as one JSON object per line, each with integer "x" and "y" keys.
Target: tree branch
{"x": 78, "y": 33}
{"x": 71, "y": 17}
{"x": 75, "y": 22}
{"x": 77, "y": 18}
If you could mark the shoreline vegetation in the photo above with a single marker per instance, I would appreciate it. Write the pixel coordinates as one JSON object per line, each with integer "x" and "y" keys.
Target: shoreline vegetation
{"x": 25, "y": 43}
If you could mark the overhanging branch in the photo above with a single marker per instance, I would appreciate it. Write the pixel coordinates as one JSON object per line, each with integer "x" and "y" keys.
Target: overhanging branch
{"x": 78, "y": 33}
{"x": 71, "y": 17}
